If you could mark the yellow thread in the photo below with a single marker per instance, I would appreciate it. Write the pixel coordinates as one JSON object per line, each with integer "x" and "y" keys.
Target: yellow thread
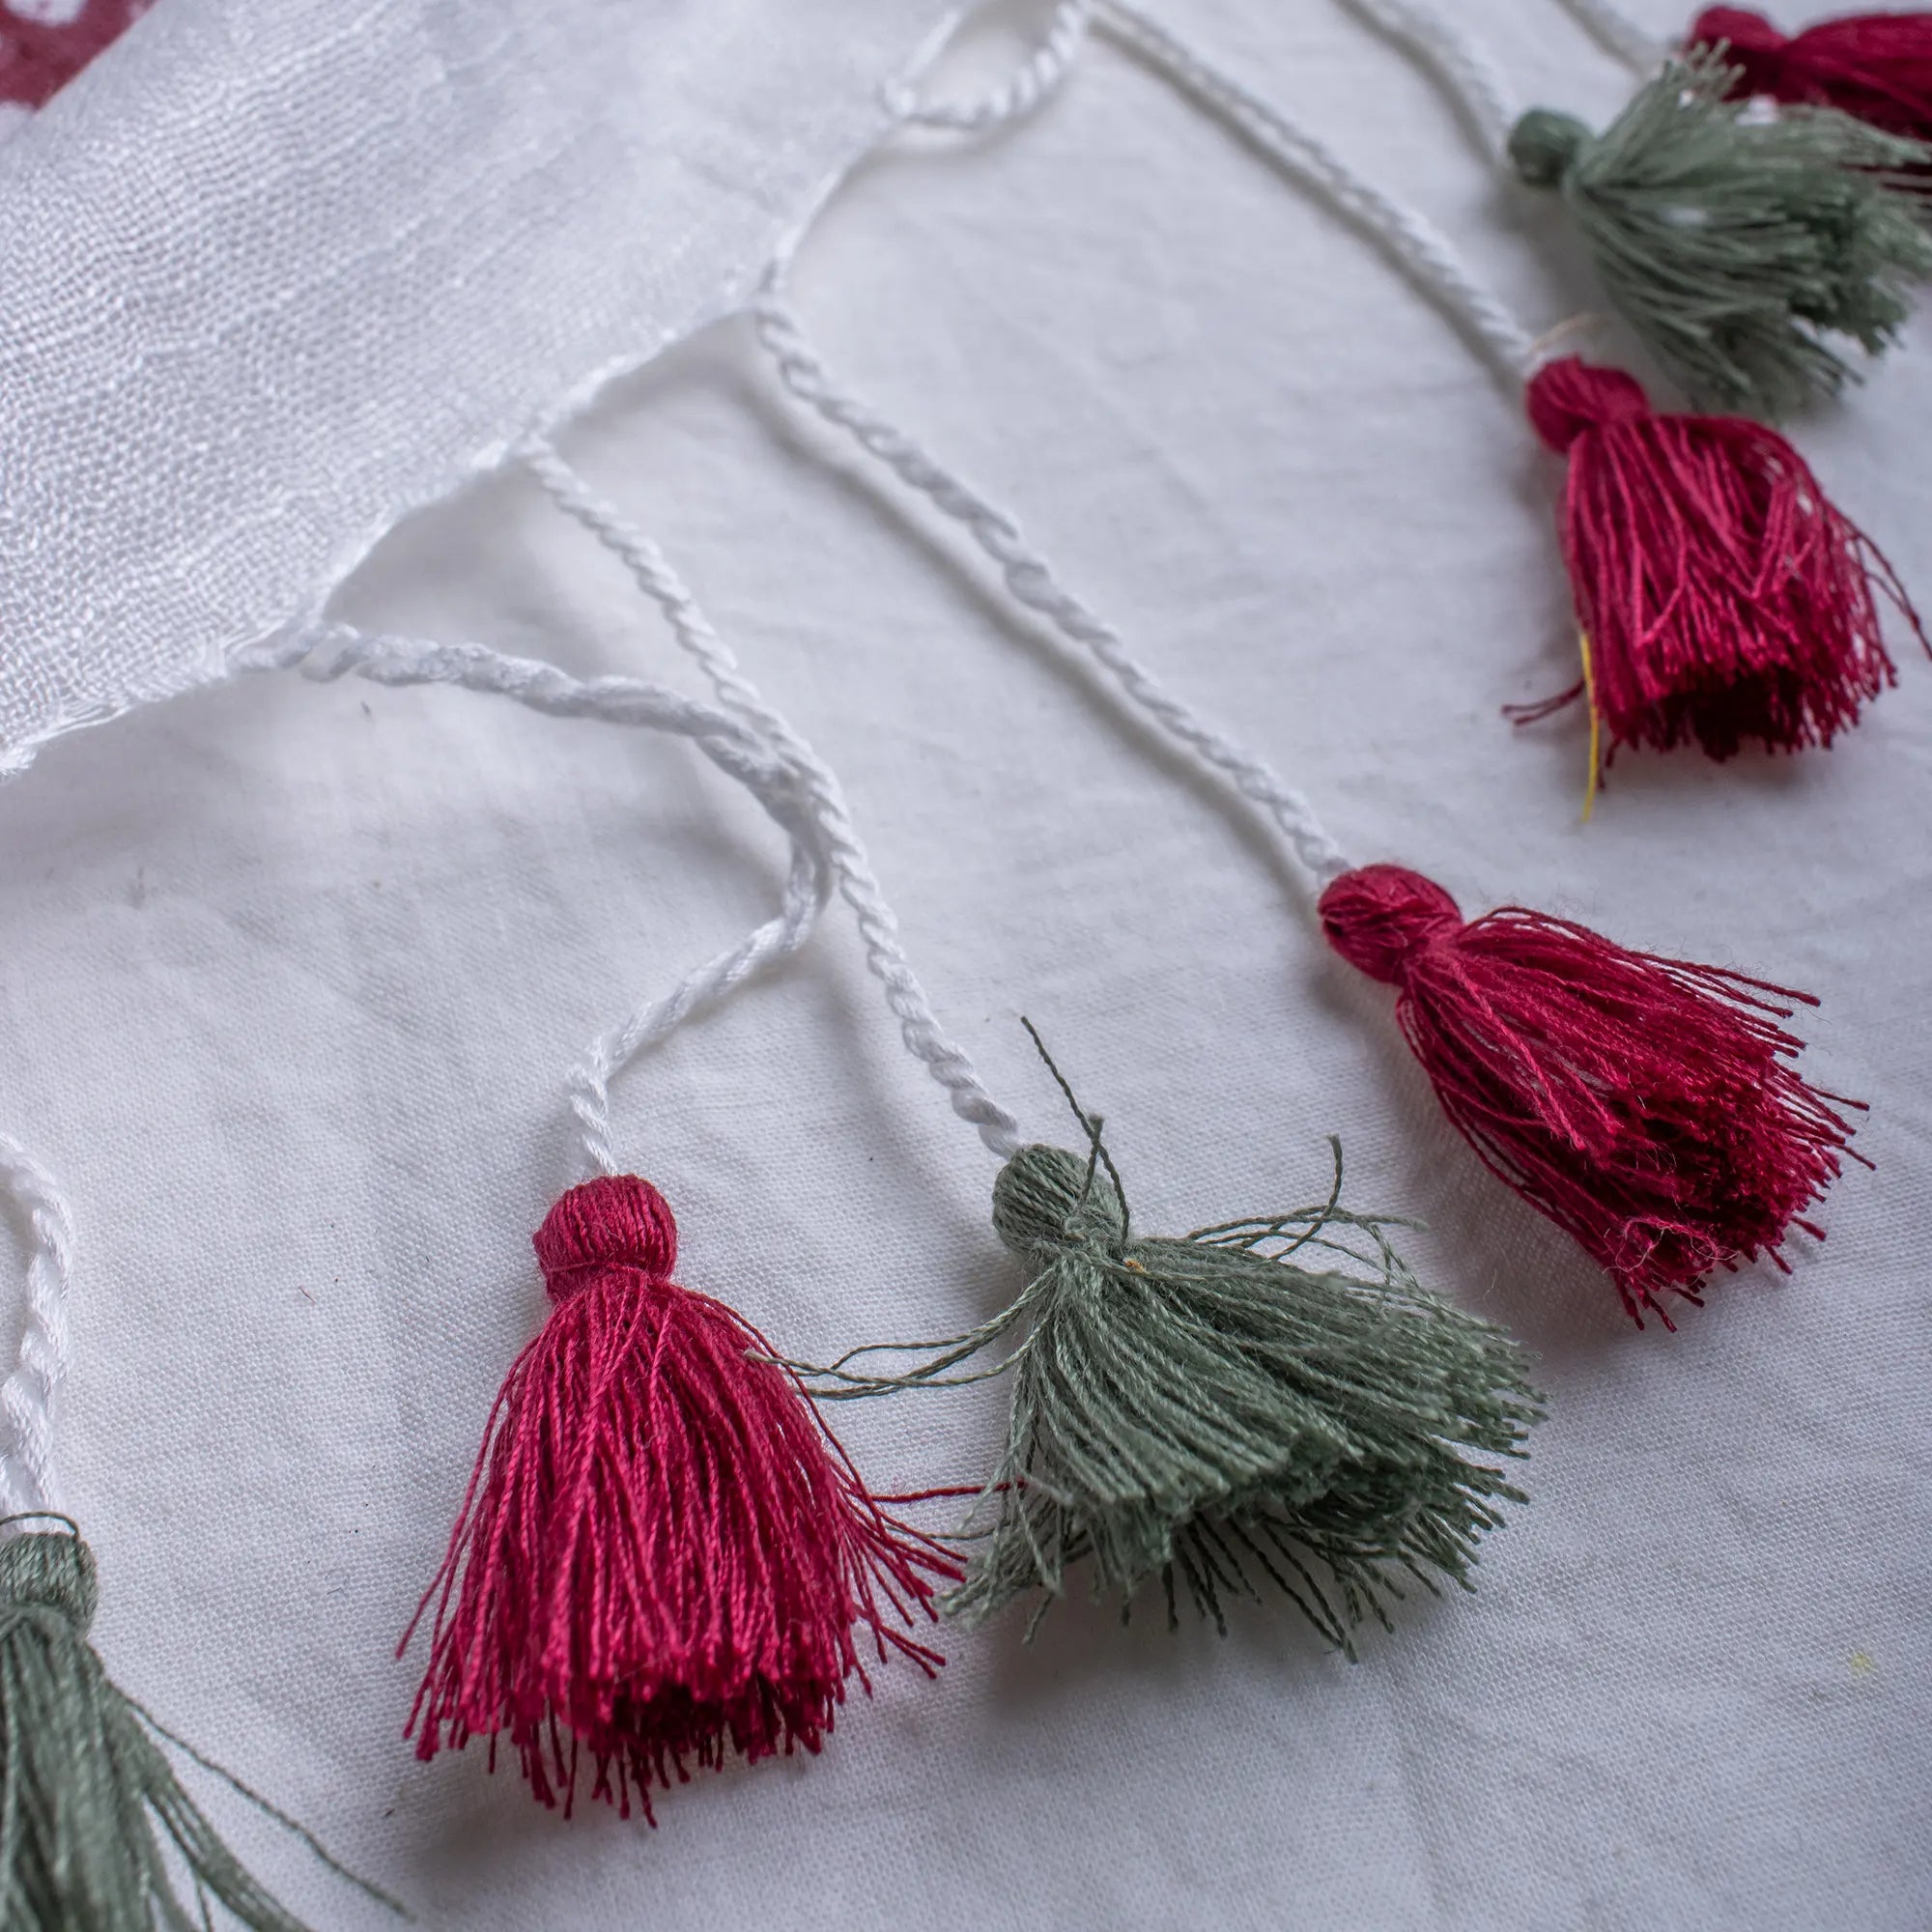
{"x": 1595, "y": 726}
{"x": 1862, "y": 1664}
{"x": 1127, "y": 1261}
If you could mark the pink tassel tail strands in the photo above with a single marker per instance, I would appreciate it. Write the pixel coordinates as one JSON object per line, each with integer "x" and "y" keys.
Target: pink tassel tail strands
{"x": 1645, "y": 1105}
{"x": 664, "y": 1556}
{"x": 1724, "y": 599}
{"x": 1875, "y": 67}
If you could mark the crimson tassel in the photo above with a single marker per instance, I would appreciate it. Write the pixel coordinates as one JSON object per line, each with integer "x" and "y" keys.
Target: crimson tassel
{"x": 1874, "y": 67}
{"x": 1643, "y": 1104}
{"x": 1724, "y": 599}
{"x": 663, "y": 1555}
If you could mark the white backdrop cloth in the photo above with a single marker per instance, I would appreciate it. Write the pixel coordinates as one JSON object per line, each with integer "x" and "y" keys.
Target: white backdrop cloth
{"x": 292, "y": 975}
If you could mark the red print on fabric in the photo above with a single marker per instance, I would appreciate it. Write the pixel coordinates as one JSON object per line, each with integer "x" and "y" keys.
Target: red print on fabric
{"x": 43, "y": 44}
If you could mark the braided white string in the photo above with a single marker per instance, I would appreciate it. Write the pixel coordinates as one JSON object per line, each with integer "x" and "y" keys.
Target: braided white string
{"x": 27, "y": 1395}
{"x": 1616, "y": 32}
{"x": 1410, "y": 241}
{"x": 327, "y": 650}
{"x": 1039, "y": 75}
{"x": 1473, "y": 81}
{"x": 1033, "y": 585}
{"x": 808, "y": 887}
{"x": 839, "y": 838}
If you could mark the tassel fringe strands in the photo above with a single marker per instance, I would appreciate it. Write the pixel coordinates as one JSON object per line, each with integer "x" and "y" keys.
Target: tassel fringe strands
{"x": 1745, "y": 251}
{"x": 1222, "y": 1415}
{"x": 1737, "y": 249}
{"x": 1875, "y": 67}
{"x": 1646, "y": 1105}
{"x": 1722, "y": 598}
{"x": 664, "y": 1558}
{"x": 1726, "y": 600}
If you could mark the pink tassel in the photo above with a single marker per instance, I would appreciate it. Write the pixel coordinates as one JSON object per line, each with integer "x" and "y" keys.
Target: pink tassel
{"x": 1874, "y": 67}
{"x": 1643, "y": 1104}
{"x": 1724, "y": 599}
{"x": 663, "y": 1555}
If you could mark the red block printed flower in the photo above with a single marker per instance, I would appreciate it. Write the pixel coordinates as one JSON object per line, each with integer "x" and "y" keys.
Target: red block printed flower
{"x": 43, "y": 44}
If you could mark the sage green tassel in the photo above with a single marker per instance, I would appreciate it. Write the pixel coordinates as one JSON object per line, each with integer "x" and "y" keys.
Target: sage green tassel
{"x": 83, "y": 1781}
{"x": 1221, "y": 1414}
{"x": 1734, "y": 247}
{"x": 1211, "y": 1411}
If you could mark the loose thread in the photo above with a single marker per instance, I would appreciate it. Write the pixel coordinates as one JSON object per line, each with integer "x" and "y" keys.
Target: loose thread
{"x": 1594, "y": 777}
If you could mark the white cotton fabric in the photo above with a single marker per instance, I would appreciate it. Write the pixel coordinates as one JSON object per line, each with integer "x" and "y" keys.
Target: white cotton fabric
{"x": 275, "y": 274}
{"x": 292, "y": 975}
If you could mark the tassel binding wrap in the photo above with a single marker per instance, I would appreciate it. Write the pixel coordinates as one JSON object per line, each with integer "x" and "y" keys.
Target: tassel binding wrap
{"x": 83, "y": 1782}
{"x": 1645, "y": 1105}
{"x": 1875, "y": 67}
{"x": 1211, "y": 1412}
{"x": 1724, "y": 599}
{"x": 664, "y": 1556}
{"x": 1738, "y": 249}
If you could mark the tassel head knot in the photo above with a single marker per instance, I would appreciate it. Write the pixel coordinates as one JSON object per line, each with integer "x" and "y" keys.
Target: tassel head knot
{"x": 616, "y": 1221}
{"x": 1379, "y": 917}
{"x": 1048, "y": 1199}
{"x": 1570, "y": 397}
{"x": 1543, "y": 145}
{"x": 53, "y": 1571}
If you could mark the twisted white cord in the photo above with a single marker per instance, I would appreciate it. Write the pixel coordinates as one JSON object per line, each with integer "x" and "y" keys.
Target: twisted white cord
{"x": 1616, "y": 32}
{"x": 1475, "y": 82}
{"x": 807, "y": 888}
{"x": 1039, "y": 75}
{"x": 27, "y": 1395}
{"x": 1415, "y": 247}
{"x": 1032, "y": 583}
{"x": 329, "y": 650}
{"x": 823, "y": 796}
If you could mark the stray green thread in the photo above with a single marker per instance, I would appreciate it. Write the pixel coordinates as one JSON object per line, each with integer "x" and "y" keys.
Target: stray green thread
{"x": 1213, "y": 1413}
{"x": 1737, "y": 248}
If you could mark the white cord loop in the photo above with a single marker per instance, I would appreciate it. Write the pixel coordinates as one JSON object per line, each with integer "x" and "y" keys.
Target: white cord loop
{"x": 28, "y": 1395}
{"x": 1037, "y": 77}
{"x": 1472, "y": 79}
{"x": 1032, "y": 583}
{"x": 1618, "y": 35}
{"x": 831, "y": 821}
{"x": 1415, "y": 247}
{"x": 327, "y": 650}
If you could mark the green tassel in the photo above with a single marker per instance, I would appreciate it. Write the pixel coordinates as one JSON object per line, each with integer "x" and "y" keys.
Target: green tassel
{"x": 1217, "y": 1414}
{"x": 83, "y": 1781}
{"x": 1736, "y": 246}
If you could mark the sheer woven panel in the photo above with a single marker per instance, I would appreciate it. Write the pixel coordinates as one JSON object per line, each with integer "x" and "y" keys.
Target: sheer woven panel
{"x": 276, "y": 275}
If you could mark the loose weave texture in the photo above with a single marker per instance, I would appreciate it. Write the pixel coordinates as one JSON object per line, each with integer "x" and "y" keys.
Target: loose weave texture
{"x": 307, "y": 217}
{"x": 288, "y": 988}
